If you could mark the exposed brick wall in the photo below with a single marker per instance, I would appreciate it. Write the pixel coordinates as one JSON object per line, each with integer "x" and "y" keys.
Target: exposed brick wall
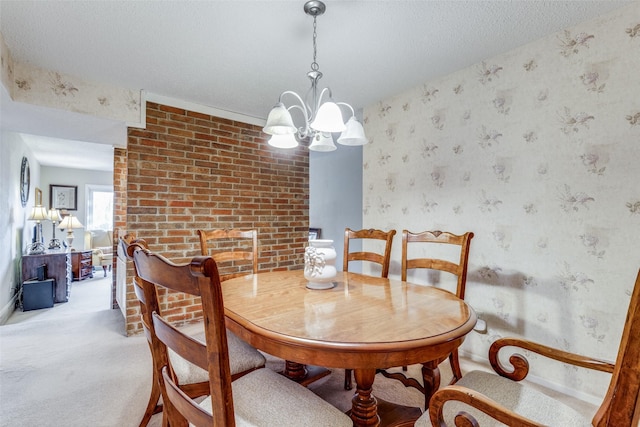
{"x": 119, "y": 209}
{"x": 188, "y": 171}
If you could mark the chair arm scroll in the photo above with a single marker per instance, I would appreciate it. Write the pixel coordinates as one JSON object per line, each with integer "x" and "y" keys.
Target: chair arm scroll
{"x": 475, "y": 400}
{"x": 521, "y": 365}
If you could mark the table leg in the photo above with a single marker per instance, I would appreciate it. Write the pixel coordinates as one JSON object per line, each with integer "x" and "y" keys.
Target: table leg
{"x": 304, "y": 374}
{"x": 364, "y": 410}
{"x": 431, "y": 378}
{"x": 294, "y": 371}
{"x": 367, "y": 410}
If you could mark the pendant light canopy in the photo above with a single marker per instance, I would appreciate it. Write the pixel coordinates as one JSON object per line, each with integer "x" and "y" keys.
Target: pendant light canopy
{"x": 321, "y": 118}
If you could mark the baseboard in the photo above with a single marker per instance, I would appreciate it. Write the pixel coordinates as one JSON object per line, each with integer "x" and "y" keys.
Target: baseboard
{"x": 8, "y": 310}
{"x": 594, "y": 400}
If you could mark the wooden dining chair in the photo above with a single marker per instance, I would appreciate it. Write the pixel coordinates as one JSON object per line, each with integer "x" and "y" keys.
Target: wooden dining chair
{"x": 383, "y": 258}
{"x": 260, "y": 398}
{"x": 191, "y": 379}
{"x": 482, "y": 398}
{"x": 235, "y": 251}
{"x": 453, "y": 262}
{"x": 231, "y": 249}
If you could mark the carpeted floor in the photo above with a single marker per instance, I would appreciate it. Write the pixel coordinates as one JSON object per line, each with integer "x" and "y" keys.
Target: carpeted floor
{"x": 71, "y": 365}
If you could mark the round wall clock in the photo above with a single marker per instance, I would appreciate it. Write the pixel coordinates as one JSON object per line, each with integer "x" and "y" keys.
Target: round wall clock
{"x": 25, "y": 181}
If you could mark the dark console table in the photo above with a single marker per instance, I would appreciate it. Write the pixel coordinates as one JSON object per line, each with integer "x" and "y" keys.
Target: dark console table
{"x": 58, "y": 268}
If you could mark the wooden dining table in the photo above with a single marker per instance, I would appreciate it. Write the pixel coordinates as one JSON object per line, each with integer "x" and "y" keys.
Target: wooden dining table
{"x": 362, "y": 323}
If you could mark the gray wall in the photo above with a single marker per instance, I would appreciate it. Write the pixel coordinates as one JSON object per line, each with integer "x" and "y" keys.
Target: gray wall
{"x": 335, "y": 194}
{"x": 15, "y": 230}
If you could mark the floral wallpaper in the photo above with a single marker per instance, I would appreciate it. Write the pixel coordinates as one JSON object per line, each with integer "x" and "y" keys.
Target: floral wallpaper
{"x": 33, "y": 85}
{"x": 537, "y": 151}
{"x": 6, "y": 65}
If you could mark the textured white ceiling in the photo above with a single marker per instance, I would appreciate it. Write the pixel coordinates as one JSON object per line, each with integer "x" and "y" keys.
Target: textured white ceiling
{"x": 240, "y": 55}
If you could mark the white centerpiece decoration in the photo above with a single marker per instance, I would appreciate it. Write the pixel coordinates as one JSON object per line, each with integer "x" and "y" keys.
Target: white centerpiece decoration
{"x": 320, "y": 264}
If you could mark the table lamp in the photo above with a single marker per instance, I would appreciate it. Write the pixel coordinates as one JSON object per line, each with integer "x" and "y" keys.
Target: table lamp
{"x": 54, "y": 216}
{"x": 70, "y": 223}
{"x": 38, "y": 213}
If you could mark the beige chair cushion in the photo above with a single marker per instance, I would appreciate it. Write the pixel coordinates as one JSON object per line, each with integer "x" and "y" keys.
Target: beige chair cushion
{"x": 519, "y": 398}
{"x": 242, "y": 357}
{"x": 101, "y": 244}
{"x": 102, "y": 239}
{"x": 265, "y": 398}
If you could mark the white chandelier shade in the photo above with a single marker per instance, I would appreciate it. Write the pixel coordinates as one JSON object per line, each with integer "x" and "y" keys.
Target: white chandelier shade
{"x": 321, "y": 119}
{"x": 353, "y": 134}
{"x": 287, "y": 140}
{"x": 328, "y": 118}
{"x": 279, "y": 121}
{"x": 322, "y": 142}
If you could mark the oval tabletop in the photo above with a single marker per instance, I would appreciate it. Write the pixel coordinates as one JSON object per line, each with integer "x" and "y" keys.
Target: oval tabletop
{"x": 360, "y": 321}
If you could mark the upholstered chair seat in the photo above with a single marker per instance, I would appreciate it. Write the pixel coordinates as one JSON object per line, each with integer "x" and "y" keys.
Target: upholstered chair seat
{"x": 242, "y": 358}
{"x": 263, "y": 397}
{"x": 523, "y": 400}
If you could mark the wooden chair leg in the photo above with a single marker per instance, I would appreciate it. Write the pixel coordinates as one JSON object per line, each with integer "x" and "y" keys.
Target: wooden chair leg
{"x": 153, "y": 407}
{"x": 455, "y": 367}
{"x": 347, "y": 379}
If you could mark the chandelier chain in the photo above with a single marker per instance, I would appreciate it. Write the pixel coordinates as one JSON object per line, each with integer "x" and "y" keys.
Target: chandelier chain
{"x": 314, "y": 64}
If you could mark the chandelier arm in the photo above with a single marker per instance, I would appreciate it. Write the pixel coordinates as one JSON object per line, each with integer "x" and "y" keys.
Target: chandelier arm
{"x": 353, "y": 112}
{"x": 319, "y": 102}
{"x": 302, "y": 131}
{"x": 302, "y": 107}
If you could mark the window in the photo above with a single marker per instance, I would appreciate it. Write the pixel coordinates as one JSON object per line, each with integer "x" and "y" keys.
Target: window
{"x": 99, "y": 207}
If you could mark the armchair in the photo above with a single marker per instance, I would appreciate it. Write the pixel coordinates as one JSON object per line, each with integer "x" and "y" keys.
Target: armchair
{"x": 101, "y": 244}
{"x": 481, "y": 398}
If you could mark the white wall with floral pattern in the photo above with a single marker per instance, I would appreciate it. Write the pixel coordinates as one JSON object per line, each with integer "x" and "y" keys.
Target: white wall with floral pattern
{"x": 537, "y": 151}
{"x": 33, "y": 85}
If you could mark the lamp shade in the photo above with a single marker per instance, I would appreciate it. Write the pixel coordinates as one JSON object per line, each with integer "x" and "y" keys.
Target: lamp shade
{"x": 70, "y": 222}
{"x": 322, "y": 142}
{"x": 353, "y": 134}
{"x": 54, "y": 215}
{"x": 38, "y": 213}
{"x": 328, "y": 118}
{"x": 283, "y": 141}
{"x": 279, "y": 121}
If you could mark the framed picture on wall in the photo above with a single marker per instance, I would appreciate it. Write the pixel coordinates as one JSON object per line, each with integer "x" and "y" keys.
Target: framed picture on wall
{"x": 63, "y": 197}
{"x": 314, "y": 233}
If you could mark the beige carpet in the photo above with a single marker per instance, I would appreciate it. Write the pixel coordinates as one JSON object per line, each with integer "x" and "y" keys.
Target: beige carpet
{"x": 71, "y": 365}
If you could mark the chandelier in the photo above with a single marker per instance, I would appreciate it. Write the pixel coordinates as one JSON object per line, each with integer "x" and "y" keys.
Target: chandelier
{"x": 321, "y": 119}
